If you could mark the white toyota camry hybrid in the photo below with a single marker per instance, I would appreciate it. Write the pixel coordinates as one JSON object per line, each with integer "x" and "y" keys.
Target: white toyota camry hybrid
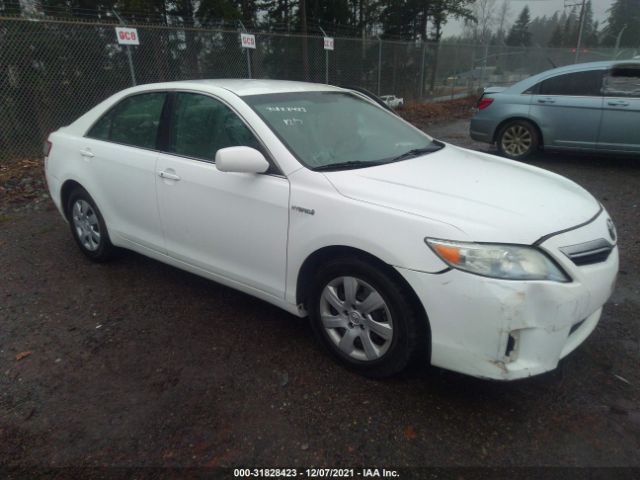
{"x": 318, "y": 200}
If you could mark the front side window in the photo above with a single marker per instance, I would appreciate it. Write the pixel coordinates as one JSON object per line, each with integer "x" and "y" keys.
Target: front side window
{"x": 201, "y": 125}
{"x": 326, "y": 129}
{"x": 623, "y": 82}
{"x": 134, "y": 121}
{"x": 582, "y": 84}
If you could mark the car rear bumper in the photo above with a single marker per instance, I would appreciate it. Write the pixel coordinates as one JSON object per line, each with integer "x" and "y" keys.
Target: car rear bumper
{"x": 53, "y": 184}
{"x": 505, "y": 330}
{"x": 482, "y": 130}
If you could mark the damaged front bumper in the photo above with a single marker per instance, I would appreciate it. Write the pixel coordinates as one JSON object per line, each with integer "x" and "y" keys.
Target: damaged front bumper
{"x": 506, "y": 329}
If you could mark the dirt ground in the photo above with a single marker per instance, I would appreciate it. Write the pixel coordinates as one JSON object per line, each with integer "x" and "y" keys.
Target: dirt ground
{"x": 134, "y": 364}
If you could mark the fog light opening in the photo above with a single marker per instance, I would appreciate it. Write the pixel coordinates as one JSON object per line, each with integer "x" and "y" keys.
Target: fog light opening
{"x": 512, "y": 345}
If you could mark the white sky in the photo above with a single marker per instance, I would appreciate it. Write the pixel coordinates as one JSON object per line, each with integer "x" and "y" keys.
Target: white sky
{"x": 538, "y": 8}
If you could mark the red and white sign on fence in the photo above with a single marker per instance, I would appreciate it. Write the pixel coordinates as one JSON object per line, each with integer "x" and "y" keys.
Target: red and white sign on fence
{"x": 328, "y": 43}
{"x": 127, "y": 36}
{"x": 248, "y": 40}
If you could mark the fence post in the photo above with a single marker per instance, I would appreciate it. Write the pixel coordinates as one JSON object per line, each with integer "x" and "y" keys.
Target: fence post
{"x": 379, "y": 62}
{"x": 484, "y": 63}
{"x": 132, "y": 71}
{"x": 246, "y": 51}
{"x": 326, "y": 58}
{"x": 424, "y": 53}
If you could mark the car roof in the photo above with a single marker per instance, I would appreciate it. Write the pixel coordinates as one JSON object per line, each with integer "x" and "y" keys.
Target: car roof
{"x": 577, "y": 67}
{"x": 243, "y": 87}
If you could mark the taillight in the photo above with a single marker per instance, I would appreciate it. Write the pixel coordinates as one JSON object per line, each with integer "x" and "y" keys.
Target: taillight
{"x": 46, "y": 148}
{"x": 484, "y": 102}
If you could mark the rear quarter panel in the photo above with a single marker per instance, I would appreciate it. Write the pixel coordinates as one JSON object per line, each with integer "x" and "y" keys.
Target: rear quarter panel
{"x": 485, "y": 123}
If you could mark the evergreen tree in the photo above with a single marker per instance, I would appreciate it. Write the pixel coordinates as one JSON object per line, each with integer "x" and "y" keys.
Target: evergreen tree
{"x": 623, "y": 13}
{"x": 210, "y": 11}
{"x": 519, "y": 35}
{"x": 557, "y": 37}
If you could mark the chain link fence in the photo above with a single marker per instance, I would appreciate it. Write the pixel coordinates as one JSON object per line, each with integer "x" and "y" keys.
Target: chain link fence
{"x": 51, "y": 71}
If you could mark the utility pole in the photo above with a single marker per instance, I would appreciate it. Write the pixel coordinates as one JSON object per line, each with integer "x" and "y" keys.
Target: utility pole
{"x": 581, "y": 27}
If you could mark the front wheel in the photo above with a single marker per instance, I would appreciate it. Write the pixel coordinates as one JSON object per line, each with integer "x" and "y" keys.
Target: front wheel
{"x": 366, "y": 320}
{"x": 518, "y": 140}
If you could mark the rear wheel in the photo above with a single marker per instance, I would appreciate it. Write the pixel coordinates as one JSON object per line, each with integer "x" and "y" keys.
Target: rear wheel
{"x": 518, "y": 140}
{"x": 88, "y": 227}
{"x": 366, "y": 320}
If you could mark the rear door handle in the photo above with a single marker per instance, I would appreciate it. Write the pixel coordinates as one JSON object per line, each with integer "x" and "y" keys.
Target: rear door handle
{"x": 618, "y": 103}
{"x": 168, "y": 175}
{"x": 85, "y": 152}
{"x": 546, "y": 100}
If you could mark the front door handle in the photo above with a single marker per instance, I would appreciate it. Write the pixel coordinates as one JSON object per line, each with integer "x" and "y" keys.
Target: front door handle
{"x": 618, "y": 103}
{"x": 546, "y": 100}
{"x": 168, "y": 175}
{"x": 85, "y": 152}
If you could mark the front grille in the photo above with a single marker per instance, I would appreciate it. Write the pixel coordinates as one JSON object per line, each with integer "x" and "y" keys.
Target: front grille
{"x": 588, "y": 253}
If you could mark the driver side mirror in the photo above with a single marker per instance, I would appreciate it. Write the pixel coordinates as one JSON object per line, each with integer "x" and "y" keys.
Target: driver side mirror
{"x": 241, "y": 160}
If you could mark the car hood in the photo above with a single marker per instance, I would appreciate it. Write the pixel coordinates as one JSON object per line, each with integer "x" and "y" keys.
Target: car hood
{"x": 491, "y": 199}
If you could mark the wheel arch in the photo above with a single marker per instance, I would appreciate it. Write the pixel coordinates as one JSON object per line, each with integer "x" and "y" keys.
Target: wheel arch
{"x": 513, "y": 119}
{"x": 324, "y": 254}
{"x": 65, "y": 192}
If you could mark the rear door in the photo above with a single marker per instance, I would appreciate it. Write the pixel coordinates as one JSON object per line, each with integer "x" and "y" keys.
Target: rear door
{"x": 568, "y": 109}
{"x": 620, "y": 130}
{"x": 120, "y": 149}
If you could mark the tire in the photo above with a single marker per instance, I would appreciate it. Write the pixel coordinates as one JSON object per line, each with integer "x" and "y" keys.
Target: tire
{"x": 88, "y": 227}
{"x": 376, "y": 342}
{"x": 518, "y": 140}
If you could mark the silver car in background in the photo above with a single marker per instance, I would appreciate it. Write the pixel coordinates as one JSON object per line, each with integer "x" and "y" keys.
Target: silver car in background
{"x": 584, "y": 107}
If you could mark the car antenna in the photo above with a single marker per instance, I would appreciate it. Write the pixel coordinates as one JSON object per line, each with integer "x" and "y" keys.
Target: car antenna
{"x": 551, "y": 62}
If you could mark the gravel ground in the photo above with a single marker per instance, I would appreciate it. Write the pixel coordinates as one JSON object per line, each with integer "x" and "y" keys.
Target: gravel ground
{"x": 135, "y": 363}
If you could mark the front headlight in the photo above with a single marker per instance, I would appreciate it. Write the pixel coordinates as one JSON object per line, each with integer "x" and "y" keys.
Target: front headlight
{"x": 498, "y": 261}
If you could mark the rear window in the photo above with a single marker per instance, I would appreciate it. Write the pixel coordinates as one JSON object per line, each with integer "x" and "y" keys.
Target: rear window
{"x": 134, "y": 121}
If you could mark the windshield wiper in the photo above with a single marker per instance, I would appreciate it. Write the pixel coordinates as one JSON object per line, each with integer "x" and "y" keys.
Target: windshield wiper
{"x": 416, "y": 152}
{"x": 346, "y": 165}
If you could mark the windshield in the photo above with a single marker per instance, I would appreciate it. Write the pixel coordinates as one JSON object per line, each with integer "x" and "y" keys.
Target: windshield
{"x": 323, "y": 129}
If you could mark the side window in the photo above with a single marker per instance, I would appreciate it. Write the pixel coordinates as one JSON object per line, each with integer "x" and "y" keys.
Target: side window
{"x": 134, "y": 121}
{"x": 583, "y": 84}
{"x": 202, "y": 125}
{"x": 623, "y": 82}
{"x": 100, "y": 129}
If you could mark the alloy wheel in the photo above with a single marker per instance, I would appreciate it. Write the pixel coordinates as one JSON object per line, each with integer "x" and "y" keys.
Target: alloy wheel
{"x": 517, "y": 140}
{"x": 356, "y": 318}
{"x": 86, "y": 225}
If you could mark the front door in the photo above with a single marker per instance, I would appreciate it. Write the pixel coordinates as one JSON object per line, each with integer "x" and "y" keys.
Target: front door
{"x": 568, "y": 108}
{"x": 230, "y": 224}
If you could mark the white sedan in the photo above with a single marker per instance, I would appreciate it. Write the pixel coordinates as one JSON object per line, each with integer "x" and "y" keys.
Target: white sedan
{"x": 392, "y": 101}
{"x": 318, "y": 200}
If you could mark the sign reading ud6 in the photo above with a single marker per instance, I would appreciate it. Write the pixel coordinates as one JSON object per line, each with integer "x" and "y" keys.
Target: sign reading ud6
{"x": 248, "y": 40}
{"x": 127, "y": 36}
